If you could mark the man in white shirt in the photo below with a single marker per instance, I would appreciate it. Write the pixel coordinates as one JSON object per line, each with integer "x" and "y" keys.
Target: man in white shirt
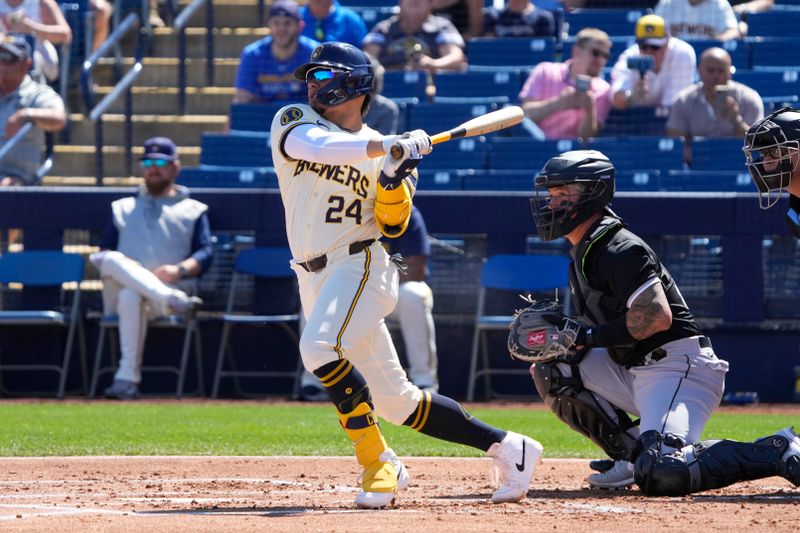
{"x": 699, "y": 19}
{"x": 673, "y": 67}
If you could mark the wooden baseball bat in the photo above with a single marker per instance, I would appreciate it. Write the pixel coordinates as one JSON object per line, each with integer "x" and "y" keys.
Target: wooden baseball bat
{"x": 496, "y": 120}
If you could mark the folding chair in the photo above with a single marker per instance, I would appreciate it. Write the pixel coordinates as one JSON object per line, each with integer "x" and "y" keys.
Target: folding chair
{"x": 266, "y": 262}
{"x": 109, "y": 325}
{"x": 517, "y": 273}
{"x": 47, "y": 269}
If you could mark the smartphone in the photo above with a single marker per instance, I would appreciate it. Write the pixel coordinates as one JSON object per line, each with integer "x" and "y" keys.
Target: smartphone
{"x": 723, "y": 91}
{"x": 641, "y": 63}
{"x": 582, "y": 83}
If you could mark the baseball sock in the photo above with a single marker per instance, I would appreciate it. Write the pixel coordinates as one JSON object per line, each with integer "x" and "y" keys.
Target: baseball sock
{"x": 444, "y": 418}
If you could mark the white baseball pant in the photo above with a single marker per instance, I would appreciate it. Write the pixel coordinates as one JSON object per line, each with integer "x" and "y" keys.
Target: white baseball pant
{"x": 415, "y": 313}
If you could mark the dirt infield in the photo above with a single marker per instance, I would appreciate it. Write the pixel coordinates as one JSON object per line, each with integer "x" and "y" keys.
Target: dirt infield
{"x": 301, "y": 494}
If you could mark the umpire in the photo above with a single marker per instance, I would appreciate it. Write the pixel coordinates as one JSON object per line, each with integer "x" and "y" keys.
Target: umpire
{"x": 638, "y": 350}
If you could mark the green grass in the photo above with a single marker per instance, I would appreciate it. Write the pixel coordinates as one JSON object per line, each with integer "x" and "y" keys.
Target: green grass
{"x": 174, "y": 428}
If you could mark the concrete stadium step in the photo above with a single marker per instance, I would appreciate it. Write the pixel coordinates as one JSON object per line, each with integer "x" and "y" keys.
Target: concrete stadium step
{"x": 161, "y": 100}
{"x": 184, "y": 130}
{"x": 163, "y": 72}
{"x": 229, "y": 13}
{"x": 70, "y": 160}
{"x": 228, "y": 42}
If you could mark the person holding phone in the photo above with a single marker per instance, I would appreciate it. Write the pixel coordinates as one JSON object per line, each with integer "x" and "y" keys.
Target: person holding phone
{"x": 716, "y": 106}
{"x": 653, "y": 70}
{"x": 570, "y": 99}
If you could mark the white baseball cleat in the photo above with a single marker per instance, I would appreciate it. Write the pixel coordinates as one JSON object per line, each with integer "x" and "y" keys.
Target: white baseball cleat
{"x": 515, "y": 459}
{"x": 403, "y": 478}
{"x": 378, "y": 485}
{"x": 619, "y": 477}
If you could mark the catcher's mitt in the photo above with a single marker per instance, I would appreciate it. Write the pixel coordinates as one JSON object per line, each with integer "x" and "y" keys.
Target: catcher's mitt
{"x": 541, "y": 332}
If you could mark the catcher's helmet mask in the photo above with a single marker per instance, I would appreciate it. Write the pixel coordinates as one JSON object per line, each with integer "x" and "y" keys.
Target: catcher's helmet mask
{"x": 590, "y": 169}
{"x": 354, "y": 75}
{"x": 778, "y": 136}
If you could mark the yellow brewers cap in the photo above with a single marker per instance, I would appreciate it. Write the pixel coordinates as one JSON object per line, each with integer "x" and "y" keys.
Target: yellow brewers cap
{"x": 651, "y": 29}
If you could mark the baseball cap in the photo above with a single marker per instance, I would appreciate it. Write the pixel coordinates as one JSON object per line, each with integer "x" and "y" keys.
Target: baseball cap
{"x": 16, "y": 45}
{"x": 160, "y": 148}
{"x": 651, "y": 29}
{"x": 284, "y": 8}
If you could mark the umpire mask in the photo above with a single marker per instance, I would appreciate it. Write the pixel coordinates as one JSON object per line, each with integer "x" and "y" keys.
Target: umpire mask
{"x": 569, "y": 189}
{"x": 772, "y": 153}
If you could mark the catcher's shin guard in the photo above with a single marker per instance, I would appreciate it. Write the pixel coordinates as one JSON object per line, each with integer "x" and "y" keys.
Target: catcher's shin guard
{"x": 581, "y": 410}
{"x": 706, "y": 465}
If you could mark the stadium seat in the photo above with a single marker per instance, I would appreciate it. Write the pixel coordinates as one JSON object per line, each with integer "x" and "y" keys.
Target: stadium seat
{"x": 269, "y": 263}
{"x": 498, "y": 180}
{"x": 773, "y": 51}
{"x": 636, "y": 153}
{"x": 368, "y": 3}
{"x": 615, "y": 22}
{"x": 708, "y": 181}
{"x": 644, "y": 180}
{"x": 636, "y": 121}
{"x": 235, "y": 149}
{"x": 778, "y": 23}
{"x": 717, "y": 154}
{"x": 254, "y": 117}
{"x": 518, "y": 274}
{"x": 405, "y": 84}
{"x": 439, "y": 180}
{"x": 738, "y": 50}
{"x": 372, "y": 15}
{"x": 515, "y": 153}
{"x": 774, "y": 83}
{"x": 479, "y": 84}
{"x": 36, "y": 270}
{"x": 469, "y": 153}
{"x": 509, "y": 52}
{"x": 228, "y": 177}
{"x": 435, "y": 118}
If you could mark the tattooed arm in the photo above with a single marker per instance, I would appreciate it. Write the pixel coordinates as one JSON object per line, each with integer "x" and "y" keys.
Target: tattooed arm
{"x": 649, "y": 313}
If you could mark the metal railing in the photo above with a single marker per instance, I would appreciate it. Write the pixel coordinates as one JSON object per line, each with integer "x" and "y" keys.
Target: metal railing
{"x": 15, "y": 139}
{"x": 131, "y": 22}
{"x": 181, "y": 21}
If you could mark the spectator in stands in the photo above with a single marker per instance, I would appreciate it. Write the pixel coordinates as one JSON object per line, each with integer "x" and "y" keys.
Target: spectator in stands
{"x": 570, "y": 99}
{"x": 384, "y": 113}
{"x": 716, "y": 106}
{"x": 415, "y": 39}
{"x": 520, "y": 18}
{"x": 742, "y": 7}
{"x": 102, "y": 17}
{"x": 156, "y": 245}
{"x": 415, "y": 303}
{"x": 466, "y": 15}
{"x": 699, "y": 19}
{"x": 23, "y": 101}
{"x": 266, "y": 67}
{"x": 44, "y": 20}
{"x": 672, "y": 69}
{"x": 608, "y": 4}
{"x": 326, "y": 20}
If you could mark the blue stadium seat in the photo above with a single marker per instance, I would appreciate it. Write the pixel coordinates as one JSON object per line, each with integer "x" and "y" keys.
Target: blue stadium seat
{"x": 773, "y": 51}
{"x": 509, "y": 52}
{"x": 475, "y": 84}
{"x": 777, "y": 23}
{"x": 781, "y": 82}
{"x": 529, "y": 155}
{"x": 435, "y": 118}
{"x": 498, "y": 180}
{"x": 228, "y": 177}
{"x": 645, "y": 180}
{"x": 615, "y": 22}
{"x": 254, "y": 117}
{"x": 405, "y": 84}
{"x": 738, "y": 49}
{"x": 618, "y": 45}
{"x": 636, "y": 153}
{"x": 708, "y": 181}
{"x": 235, "y": 149}
{"x": 439, "y": 180}
{"x": 717, "y": 154}
{"x": 460, "y": 153}
{"x": 636, "y": 121}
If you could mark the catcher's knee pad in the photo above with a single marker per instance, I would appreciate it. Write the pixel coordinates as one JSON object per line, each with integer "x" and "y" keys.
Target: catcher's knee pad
{"x": 581, "y": 410}
{"x": 345, "y": 385}
{"x": 704, "y": 465}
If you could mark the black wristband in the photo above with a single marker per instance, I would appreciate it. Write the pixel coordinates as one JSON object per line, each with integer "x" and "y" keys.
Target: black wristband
{"x": 614, "y": 333}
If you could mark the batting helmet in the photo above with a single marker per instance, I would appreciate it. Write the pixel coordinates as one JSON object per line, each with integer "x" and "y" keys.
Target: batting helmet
{"x": 775, "y": 137}
{"x": 353, "y": 73}
{"x": 588, "y": 168}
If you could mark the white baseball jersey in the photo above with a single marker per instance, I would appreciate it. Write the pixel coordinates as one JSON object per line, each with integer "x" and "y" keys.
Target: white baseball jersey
{"x": 327, "y": 205}
{"x": 705, "y": 20}
{"x": 676, "y": 73}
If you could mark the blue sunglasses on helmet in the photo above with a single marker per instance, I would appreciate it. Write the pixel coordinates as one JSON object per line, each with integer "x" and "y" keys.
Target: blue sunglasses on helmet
{"x": 321, "y": 74}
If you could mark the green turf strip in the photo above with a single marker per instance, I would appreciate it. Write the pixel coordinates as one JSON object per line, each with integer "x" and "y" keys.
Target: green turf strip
{"x": 175, "y": 428}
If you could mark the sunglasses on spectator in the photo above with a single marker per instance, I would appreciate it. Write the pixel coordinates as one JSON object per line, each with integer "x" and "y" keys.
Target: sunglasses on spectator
{"x": 320, "y": 74}
{"x": 8, "y": 57}
{"x": 599, "y": 53}
{"x": 650, "y": 47}
{"x": 158, "y": 163}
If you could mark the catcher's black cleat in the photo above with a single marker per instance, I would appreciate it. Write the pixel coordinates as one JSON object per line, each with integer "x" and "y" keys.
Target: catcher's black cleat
{"x": 601, "y": 465}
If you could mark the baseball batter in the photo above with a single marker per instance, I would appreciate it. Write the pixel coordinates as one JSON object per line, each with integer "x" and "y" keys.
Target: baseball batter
{"x": 637, "y": 349}
{"x": 340, "y": 194}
